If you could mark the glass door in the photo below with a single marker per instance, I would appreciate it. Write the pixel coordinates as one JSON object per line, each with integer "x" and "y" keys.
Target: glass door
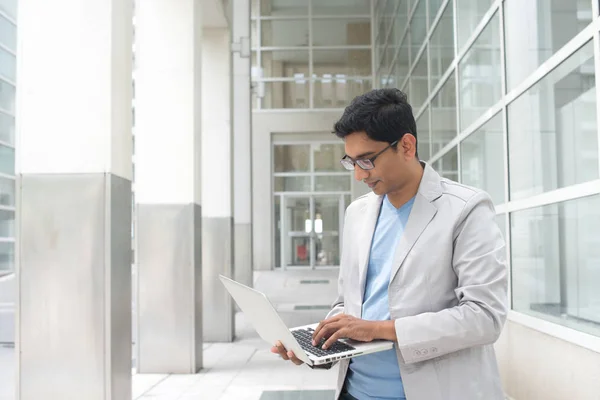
{"x": 310, "y": 229}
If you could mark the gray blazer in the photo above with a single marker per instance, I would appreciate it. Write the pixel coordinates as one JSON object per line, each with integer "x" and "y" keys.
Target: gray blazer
{"x": 447, "y": 291}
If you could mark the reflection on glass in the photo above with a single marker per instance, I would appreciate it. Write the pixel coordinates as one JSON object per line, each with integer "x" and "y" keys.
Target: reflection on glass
{"x": 469, "y": 14}
{"x": 400, "y": 24}
{"x": 8, "y": 65}
{"x": 443, "y": 112}
{"x": 7, "y": 223}
{"x": 278, "y": 8}
{"x": 294, "y": 94}
{"x": 333, "y": 183}
{"x": 418, "y": 28}
{"x": 482, "y": 159}
{"x": 402, "y": 63}
{"x": 555, "y": 252}
{"x": 285, "y": 32}
{"x": 349, "y": 62}
{"x": 7, "y": 128}
{"x": 291, "y": 184}
{"x": 7, "y": 256}
{"x": 327, "y": 219}
{"x": 277, "y": 230}
{"x": 419, "y": 83}
{"x": 447, "y": 166}
{"x": 7, "y": 96}
{"x": 434, "y": 8}
{"x": 479, "y": 75}
{"x": 441, "y": 45}
{"x": 341, "y": 32}
{"x": 7, "y": 160}
{"x": 7, "y": 192}
{"x": 8, "y": 34}
{"x": 553, "y": 135}
{"x": 338, "y": 91}
{"x": 526, "y": 46}
{"x": 423, "y": 138}
{"x": 336, "y": 7}
{"x": 284, "y": 64}
{"x": 297, "y": 211}
{"x": 327, "y": 157}
{"x": 291, "y": 158}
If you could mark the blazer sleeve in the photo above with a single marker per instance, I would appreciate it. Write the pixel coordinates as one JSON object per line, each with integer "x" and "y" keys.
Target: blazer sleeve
{"x": 479, "y": 261}
{"x": 338, "y": 304}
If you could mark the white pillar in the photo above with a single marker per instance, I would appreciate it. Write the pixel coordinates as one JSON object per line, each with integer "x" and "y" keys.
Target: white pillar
{"x": 217, "y": 221}
{"x": 74, "y": 199}
{"x": 242, "y": 143}
{"x": 167, "y": 185}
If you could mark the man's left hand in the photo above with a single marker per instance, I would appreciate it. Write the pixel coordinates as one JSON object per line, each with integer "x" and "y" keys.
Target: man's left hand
{"x": 346, "y": 326}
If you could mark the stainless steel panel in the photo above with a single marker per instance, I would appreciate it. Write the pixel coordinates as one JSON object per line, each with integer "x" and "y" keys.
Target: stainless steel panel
{"x": 217, "y": 258}
{"x": 242, "y": 265}
{"x": 168, "y": 283}
{"x": 73, "y": 287}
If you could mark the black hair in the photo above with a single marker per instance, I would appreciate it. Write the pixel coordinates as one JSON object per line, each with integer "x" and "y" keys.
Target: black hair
{"x": 383, "y": 114}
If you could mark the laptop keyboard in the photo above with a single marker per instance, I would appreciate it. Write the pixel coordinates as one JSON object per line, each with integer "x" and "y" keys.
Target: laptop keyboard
{"x": 304, "y": 337}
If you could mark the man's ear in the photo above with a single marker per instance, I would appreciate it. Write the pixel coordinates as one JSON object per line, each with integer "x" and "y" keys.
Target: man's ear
{"x": 409, "y": 145}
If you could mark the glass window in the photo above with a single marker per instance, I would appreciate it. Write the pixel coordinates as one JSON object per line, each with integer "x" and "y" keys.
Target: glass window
{"x": 278, "y": 8}
{"x": 8, "y": 33}
{"x": 482, "y": 159}
{"x": 254, "y": 8}
{"x": 349, "y": 62}
{"x": 294, "y": 94}
{"x": 7, "y": 96}
{"x": 434, "y": 8}
{"x": 343, "y": 7}
{"x": 419, "y": 83}
{"x": 7, "y": 223}
{"x": 254, "y": 42}
{"x": 443, "y": 112}
{"x": 327, "y": 157}
{"x": 480, "y": 75}
{"x": 284, "y": 32}
{"x": 333, "y": 183}
{"x": 423, "y": 139}
{"x": 337, "y": 91}
{"x": 284, "y": 63}
{"x": 7, "y": 160}
{"x": 402, "y": 64}
{"x": 536, "y": 29}
{"x": 555, "y": 256}
{"x": 441, "y": 46}
{"x": 291, "y": 184}
{"x": 553, "y": 135}
{"x": 469, "y": 14}
{"x": 341, "y": 32}
{"x": 400, "y": 23}
{"x": 7, "y": 128}
{"x": 8, "y": 65}
{"x": 9, "y": 7}
{"x": 292, "y": 158}
{"x": 7, "y": 256}
{"x": 418, "y": 27}
{"x": 7, "y": 192}
{"x": 447, "y": 166}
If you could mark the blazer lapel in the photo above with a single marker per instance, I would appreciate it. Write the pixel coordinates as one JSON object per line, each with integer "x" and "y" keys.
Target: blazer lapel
{"x": 422, "y": 213}
{"x": 368, "y": 228}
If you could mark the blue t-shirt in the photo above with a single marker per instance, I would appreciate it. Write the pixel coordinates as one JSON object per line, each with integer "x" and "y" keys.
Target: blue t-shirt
{"x": 377, "y": 375}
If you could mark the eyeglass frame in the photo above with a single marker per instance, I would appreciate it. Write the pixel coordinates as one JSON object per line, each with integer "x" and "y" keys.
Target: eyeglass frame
{"x": 370, "y": 159}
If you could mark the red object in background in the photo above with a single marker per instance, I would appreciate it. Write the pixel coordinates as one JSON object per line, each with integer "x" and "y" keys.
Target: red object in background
{"x": 301, "y": 252}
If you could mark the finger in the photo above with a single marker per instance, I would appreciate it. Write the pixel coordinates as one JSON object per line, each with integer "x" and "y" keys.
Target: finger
{"x": 282, "y": 351}
{"x": 328, "y": 330}
{"x": 294, "y": 359}
{"x": 323, "y": 324}
{"x": 333, "y": 338}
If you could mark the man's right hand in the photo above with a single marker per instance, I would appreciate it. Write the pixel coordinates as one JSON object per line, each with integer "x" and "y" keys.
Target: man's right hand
{"x": 286, "y": 355}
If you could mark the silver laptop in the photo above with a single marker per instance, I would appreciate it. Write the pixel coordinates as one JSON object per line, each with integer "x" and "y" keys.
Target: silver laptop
{"x": 271, "y": 328}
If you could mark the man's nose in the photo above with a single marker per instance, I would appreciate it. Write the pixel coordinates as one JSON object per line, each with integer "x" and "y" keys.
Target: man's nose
{"x": 359, "y": 173}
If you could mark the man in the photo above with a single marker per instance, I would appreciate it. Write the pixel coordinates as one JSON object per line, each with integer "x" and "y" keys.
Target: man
{"x": 423, "y": 264}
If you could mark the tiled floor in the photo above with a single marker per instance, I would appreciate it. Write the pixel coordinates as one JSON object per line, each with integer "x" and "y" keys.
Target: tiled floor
{"x": 244, "y": 369}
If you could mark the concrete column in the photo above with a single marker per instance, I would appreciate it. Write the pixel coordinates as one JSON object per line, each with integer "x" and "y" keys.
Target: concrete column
{"x": 167, "y": 185}
{"x": 74, "y": 200}
{"x": 242, "y": 140}
{"x": 217, "y": 220}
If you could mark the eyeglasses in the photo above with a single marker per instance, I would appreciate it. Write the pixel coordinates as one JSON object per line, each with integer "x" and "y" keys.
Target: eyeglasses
{"x": 364, "y": 163}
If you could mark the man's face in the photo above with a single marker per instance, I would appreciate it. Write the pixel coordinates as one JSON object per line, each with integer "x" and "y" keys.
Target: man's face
{"x": 389, "y": 172}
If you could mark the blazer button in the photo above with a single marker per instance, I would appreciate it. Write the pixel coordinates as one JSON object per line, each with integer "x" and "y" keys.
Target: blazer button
{"x": 424, "y": 352}
{"x": 417, "y": 353}
{"x": 434, "y": 349}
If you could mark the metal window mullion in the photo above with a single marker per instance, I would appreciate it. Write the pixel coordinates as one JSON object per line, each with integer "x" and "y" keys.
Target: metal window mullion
{"x": 259, "y": 57}
{"x": 8, "y": 18}
{"x": 596, "y": 39}
{"x": 374, "y": 65}
{"x": 312, "y": 233}
{"x": 282, "y": 238}
{"x": 341, "y": 16}
{"x": 8, "y": 49}
{"x": 311, "y": 81}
